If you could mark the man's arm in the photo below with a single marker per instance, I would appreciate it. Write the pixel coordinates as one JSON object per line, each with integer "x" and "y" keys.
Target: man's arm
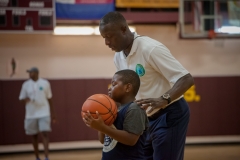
{"x": 52, "y": 112}
{"x": 25, "y": 100}
{"x": 49, "y": 98}
{"x": 178, "y": 89}
{"x": 23, "y": 95}
{"x": 181, "y": 86}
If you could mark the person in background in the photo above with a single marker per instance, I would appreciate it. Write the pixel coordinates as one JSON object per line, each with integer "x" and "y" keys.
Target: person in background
{"x": 36, "y": 94}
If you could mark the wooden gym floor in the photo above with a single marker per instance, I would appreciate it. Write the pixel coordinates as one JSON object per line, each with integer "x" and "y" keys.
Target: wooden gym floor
{"x": 192, "y": 152}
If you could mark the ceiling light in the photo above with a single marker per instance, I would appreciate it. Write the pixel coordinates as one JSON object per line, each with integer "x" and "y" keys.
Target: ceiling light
{"x": 229, "y": 29}
{"x": 74, "y": 30}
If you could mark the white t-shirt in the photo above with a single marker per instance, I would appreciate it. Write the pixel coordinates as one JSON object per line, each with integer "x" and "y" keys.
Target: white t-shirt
{"x": 38, "y": 92}
{"x": 157, "y": 68}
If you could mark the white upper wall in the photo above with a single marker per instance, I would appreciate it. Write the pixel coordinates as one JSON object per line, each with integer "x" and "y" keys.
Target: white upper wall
{"x": 68, "y": 57}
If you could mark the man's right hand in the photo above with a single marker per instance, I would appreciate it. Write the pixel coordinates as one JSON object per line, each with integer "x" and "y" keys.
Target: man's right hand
{"x": 26, "y": 100}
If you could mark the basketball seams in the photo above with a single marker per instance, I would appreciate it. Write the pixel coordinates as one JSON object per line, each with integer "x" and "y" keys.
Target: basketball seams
{"x": 108, "y": 101}
{"x": 109, "y": 109}
{"x": 111, "y": 106}
{"x": 101, "y": 104}
{"x": 107, "y": 104}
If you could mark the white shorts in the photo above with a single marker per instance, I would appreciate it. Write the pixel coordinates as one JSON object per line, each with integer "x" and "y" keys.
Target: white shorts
{"x": 34, "y": 126}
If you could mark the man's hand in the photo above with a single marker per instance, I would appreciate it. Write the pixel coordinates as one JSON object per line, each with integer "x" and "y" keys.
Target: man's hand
{"x": 150, "y": 104}
{"x": 26, "y": 100}
{"x": 53, "y": 119}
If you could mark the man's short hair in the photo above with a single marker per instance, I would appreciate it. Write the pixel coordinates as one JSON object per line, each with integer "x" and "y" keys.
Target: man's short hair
{"x": 130, "y": 76}
{"x": 112, "y": 17}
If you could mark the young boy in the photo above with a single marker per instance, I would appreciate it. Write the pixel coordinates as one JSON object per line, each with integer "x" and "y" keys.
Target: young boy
{"x": 126, "y": 138}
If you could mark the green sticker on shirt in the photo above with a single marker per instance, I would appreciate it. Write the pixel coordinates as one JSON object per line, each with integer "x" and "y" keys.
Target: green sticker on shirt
{"x": 140, "y": 70}
{"x": 40, "y": 88}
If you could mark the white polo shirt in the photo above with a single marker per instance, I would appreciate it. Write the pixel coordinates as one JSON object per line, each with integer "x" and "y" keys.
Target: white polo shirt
{"x": 152, "y": 61}
{"x": 38, "y": 92}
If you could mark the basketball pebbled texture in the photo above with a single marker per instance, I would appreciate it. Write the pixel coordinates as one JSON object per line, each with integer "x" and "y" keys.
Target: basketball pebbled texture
{"x": 105, "y": 106}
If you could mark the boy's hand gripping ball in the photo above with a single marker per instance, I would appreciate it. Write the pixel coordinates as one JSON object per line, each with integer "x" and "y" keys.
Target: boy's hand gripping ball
{"x": 105, "y": 106}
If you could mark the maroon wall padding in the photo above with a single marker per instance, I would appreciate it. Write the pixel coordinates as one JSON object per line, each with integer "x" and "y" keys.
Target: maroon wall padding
{"x": 1, "y": 115}
{"x": 217, "y": 112}
{"x": 12, "y": 113}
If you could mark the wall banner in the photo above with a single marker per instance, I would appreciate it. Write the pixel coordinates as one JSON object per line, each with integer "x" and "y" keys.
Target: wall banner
{"x": 83, "y": 9}
{"x": 147, "y": 3}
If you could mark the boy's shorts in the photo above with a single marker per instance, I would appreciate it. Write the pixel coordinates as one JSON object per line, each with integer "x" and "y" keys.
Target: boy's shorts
{"x": 36, "y": 125}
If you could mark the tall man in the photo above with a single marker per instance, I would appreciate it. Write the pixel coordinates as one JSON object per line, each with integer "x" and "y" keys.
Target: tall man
{"x": 36, "y": 94}
{"x": 163, "y": 83}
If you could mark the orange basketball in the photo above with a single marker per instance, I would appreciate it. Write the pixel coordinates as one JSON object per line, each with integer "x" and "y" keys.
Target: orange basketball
{"x": 105, "y": 106}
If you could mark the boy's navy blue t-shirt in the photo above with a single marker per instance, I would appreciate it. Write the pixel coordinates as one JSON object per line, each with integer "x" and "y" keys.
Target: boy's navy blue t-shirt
{"x": 118, "y": 151}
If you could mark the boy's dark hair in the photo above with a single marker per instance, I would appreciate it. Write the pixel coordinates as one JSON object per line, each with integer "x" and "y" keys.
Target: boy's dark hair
{"x": 112, "y": 17}
{"x": 129, "y": 76}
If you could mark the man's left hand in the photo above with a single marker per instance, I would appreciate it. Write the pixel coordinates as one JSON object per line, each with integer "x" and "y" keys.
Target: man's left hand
{"x": 151, "y": 104}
